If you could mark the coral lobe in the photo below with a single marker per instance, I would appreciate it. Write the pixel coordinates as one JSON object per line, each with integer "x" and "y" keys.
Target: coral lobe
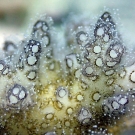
{"x": 84, "y": 92}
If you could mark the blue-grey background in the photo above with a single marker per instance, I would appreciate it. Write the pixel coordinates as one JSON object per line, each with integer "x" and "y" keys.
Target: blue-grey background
{"x": 16, "y": 14}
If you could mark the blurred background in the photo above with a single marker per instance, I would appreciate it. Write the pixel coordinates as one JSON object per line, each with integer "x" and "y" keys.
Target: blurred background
{"x": 15, "y": 16}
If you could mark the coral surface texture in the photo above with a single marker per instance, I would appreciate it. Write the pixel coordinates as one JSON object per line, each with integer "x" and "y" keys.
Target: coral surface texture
{"x": 77, "y": 82}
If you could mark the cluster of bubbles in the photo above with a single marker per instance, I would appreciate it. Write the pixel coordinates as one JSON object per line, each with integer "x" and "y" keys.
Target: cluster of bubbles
{"x": 75, "y": 86}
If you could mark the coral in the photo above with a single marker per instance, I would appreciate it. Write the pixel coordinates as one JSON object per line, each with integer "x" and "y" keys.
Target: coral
{"x": 82, "y": 83}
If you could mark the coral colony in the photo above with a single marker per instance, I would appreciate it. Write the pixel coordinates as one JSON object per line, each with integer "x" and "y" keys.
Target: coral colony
{"x": 79, "y": 84}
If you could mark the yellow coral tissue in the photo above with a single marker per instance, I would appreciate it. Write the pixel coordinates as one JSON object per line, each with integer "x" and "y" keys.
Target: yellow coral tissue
{"x": 79, "y": 82}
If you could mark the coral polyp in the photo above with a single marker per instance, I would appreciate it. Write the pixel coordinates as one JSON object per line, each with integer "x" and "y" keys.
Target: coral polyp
{"x": 81, "y": 84}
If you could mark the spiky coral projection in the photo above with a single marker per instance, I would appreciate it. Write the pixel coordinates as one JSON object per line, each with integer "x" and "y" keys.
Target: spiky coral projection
{"x": 80, "y": 86}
